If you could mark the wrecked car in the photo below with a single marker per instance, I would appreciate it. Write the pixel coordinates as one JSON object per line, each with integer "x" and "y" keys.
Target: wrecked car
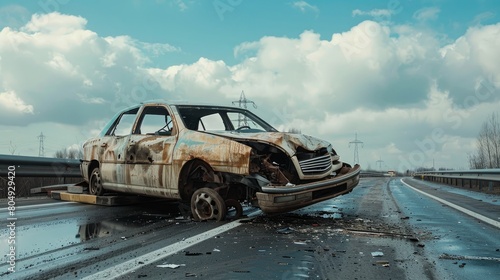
{"x": 212, "y": 158}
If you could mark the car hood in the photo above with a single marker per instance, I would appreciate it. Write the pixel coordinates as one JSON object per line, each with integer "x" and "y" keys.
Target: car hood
{"x": 287, "y": 141}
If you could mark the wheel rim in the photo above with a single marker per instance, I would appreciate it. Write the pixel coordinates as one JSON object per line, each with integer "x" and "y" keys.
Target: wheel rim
{"x": 207, "y": 204}
{"x": 206, "y": 207}
{"x": 95, "y": 183}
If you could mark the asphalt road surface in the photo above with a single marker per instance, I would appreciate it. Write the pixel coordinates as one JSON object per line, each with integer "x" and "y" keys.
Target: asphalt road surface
{"x": 384, "y": 229}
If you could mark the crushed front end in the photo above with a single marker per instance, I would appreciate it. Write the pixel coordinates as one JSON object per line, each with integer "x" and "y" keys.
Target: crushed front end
{"x": 289, "y": 172}
{"x": 279, "y": 199}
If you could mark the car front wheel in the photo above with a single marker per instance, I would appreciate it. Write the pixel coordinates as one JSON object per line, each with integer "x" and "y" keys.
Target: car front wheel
{"x": 207, "y": 204}
{"x": 95, "y": 185}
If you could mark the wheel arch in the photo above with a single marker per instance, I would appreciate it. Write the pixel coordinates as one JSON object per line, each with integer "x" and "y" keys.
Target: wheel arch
{"x": 185, "y": 183}
{"x": 92, "y": 165}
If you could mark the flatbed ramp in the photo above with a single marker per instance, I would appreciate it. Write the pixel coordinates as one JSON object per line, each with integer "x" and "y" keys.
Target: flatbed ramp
{"x": 79, "y": 193}
{"x": 111, "y": 200}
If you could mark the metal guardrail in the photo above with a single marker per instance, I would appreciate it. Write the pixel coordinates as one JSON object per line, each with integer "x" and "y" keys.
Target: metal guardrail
{"x": 478, "y": 174}
{"x": 481, "y": 179}
{"x": 373, "y": 174}
{"x": 40, "y": 166}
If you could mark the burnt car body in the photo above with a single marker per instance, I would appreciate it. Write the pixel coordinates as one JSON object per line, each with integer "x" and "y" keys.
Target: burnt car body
{"x": 214, "y": 158}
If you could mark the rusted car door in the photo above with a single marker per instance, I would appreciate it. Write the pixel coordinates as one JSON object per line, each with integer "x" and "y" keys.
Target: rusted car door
{"x": 149, "y": 153}
{"x": 112, "y": 149}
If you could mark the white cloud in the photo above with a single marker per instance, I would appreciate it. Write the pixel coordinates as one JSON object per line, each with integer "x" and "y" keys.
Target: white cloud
{"x": 157, "y": 49}
{"x": 74, "y": 74}
{"x": 425, "y": 14}
{"x": 394, "y": 85}
{"x": 180, "y": 4}
{"x": 303, "y": 6}
{"x": 54, "y": 23}
{"x": 376, "y": 13}
{"x": 13, "y": 15}
{"x": 375, "y": 79}
{"x": 478, "y": 19}
{"x": 12, "y": 103}
{"x": 90, "y": 100}
{"x": 59, "y": 63}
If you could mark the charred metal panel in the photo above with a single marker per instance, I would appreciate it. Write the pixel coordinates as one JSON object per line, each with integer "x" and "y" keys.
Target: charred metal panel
{"x": 111, "y": 155}
{"x": 223, "y": 155}
{"x": 149, "y": 164}
{"x": 286, "y": 141}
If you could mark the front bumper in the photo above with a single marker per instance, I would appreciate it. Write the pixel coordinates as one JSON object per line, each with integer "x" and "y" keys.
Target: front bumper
{"x": 280, "y": 199}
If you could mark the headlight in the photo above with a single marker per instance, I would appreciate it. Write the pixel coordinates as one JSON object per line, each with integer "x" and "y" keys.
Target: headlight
{"x": 330, "y": 149}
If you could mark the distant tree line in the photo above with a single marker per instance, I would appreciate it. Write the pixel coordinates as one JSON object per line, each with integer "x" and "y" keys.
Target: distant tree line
{"x": 69, "y": 153}
{"x": 487, "y": 155}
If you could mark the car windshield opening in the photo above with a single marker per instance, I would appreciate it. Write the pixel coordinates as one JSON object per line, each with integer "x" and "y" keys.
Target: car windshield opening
{"x": 206, "y": 118}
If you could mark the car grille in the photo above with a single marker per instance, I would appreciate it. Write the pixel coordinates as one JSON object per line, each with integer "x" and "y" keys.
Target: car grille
{"x": 316, "y": 165}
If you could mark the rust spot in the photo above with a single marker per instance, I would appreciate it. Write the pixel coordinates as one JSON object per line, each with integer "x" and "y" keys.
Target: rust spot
{"x": 156, "y": 147}
{"x": 275, "y": 173}
{"x": 160, "y": 175}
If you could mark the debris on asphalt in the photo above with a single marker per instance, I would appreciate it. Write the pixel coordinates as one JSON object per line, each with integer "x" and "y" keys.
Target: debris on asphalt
{"x": 377, "y": 254}
{"x": 286, "y": 230}
{"x": 192, "y": 254}
{"x": 189, "y": 274}
{"x": 170, "y": 265}
{"x": 91, "y": 249}
{"x": 246, "y": 221}
{"x": 216, "y": 250}
{"x": 382, "y": 263}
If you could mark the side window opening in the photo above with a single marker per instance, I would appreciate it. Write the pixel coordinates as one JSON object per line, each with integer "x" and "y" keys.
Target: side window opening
{"x": 211, "y": 122}
{"x": 155, "y": 120}
{"x": 123, "y": 125}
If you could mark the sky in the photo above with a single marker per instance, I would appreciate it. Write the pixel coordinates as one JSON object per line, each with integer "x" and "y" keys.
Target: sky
{"x": 412, "y": 79}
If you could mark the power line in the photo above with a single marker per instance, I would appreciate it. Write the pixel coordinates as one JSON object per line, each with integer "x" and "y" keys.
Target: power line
{"x": 356, "y": 142}
{"x": 41, "y": 150}
{"x": 242, "y": 103}
{"x": 380, "y": 161}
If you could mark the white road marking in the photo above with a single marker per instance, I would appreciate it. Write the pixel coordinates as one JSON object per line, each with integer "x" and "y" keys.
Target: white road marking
{"x": 459, "y": 208}
{"x": 124, "y": 268}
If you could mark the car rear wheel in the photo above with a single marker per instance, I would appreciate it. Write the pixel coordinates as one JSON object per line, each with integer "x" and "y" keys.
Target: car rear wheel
{"x": 207, "y": 204}
{"x": 95, "y": 185}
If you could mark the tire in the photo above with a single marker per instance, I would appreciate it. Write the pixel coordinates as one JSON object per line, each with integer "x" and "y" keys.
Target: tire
{"x": 207, "y": 204}
{"x": 233, "y": 203}
{"x": 95, "y": 183}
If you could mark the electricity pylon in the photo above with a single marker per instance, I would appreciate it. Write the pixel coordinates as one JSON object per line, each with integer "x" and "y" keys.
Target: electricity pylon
{"x": 356, "y": 142}
{"x": 242, "y": 103}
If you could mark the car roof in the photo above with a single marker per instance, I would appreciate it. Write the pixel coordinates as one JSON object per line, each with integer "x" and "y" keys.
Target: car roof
{"x": 184, "y": 103}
